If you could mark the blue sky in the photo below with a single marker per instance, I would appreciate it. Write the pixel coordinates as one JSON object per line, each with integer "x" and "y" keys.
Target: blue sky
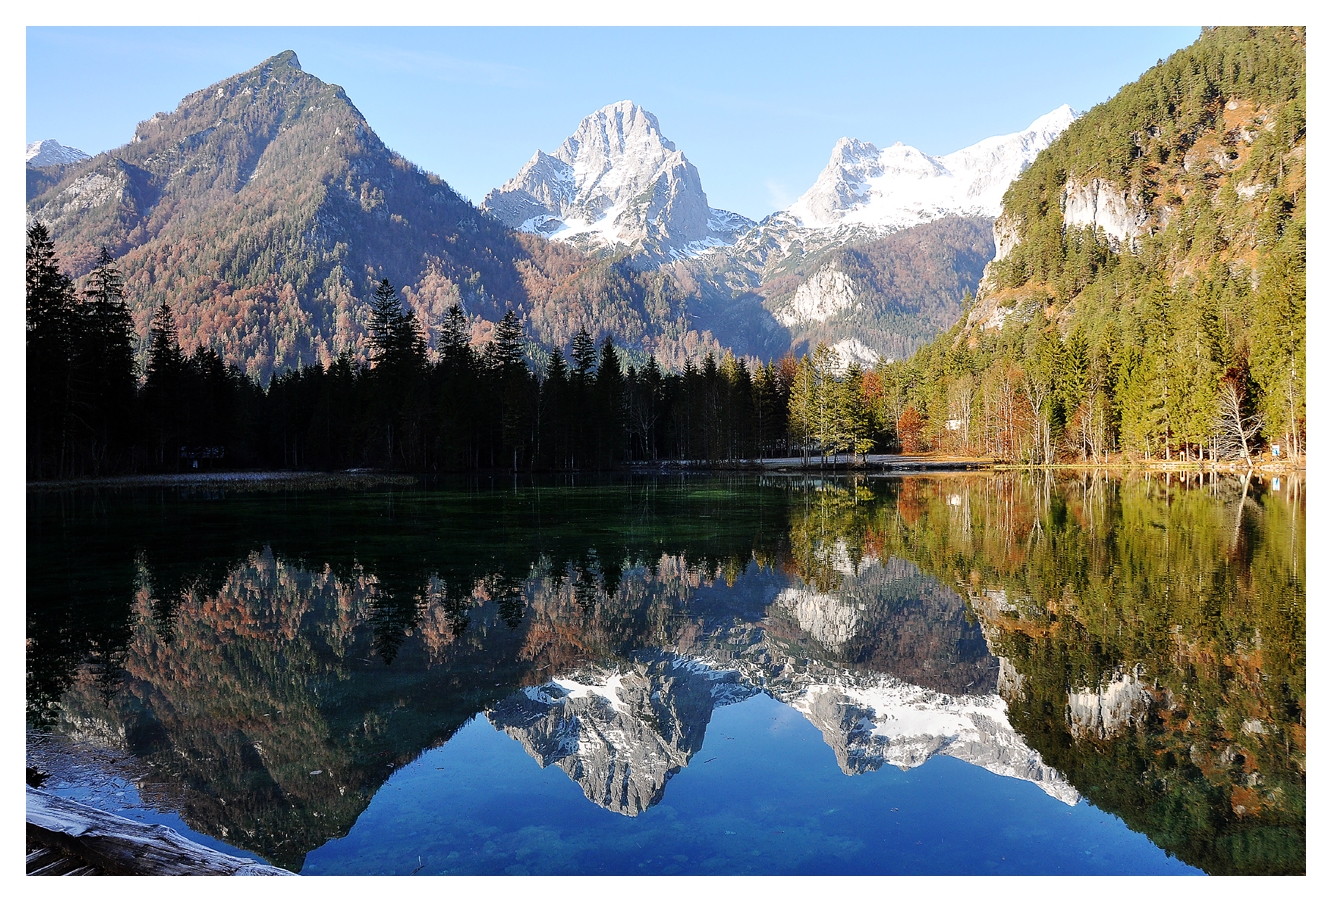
{"x": 757, "y": 110}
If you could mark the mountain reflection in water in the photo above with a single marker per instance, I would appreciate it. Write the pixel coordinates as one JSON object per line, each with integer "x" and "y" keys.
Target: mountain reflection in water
{"x": 271, "y": 660}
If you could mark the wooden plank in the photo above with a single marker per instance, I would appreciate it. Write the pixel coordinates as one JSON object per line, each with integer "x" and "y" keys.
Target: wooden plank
{"x": 118, "y": 845}
{"x": 54, "y": 869}
{"x": 41, "y": 858}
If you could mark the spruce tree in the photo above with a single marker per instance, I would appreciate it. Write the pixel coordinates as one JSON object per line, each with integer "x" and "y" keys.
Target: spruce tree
{"x": 584, "y": 355}
{"x": 163, "y": 390}
{"x": 51, "y": 336}
{"x": 106, "y": 357}
{"x": 609, "y": 405}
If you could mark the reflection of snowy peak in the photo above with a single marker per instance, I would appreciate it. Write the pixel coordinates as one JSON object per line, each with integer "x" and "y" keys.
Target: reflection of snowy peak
{"x": 829, "y": 619}
{"x": 900, "y": 186}
{"x": 616, "y": 181}
{"x": 870, "y": 721}
{"x": 621, "y": 734}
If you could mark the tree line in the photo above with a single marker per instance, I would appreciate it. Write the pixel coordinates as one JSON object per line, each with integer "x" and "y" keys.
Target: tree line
{"x": 92, "y": 410}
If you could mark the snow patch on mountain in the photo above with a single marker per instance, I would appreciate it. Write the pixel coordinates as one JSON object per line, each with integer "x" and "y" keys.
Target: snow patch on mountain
{"x": 52, "y": 153}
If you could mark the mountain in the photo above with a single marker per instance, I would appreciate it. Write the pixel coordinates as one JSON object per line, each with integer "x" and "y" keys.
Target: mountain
{"x": 616, "y": 182}
{"x": 900, "y": 186}
{"x": 1149, "y": 277}
{"x": 52, "y": 153}
{"x": 47, "y": 162}
{"x": 264, "y": 209}
{"x": 876, "y": 258}
{"x": 868, "y": 297}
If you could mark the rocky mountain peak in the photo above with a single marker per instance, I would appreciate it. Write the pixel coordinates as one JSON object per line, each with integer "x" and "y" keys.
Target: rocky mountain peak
{"x": 617, "y": 181}
{"x": 901, "y": 186}
{"x": 51, "y": 152}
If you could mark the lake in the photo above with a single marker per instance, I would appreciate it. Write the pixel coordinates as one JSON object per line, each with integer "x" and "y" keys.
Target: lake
{"x": 981, "y": 673}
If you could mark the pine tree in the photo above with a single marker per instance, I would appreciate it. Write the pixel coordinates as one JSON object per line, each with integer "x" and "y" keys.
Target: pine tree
{"x": 51, "y": 337}
{"x": 106, "y": 357}
{"x": 508, "y": 368}
{"x": 552, "y": 411}
{"x": 163, "y": 390}
{"x": 386, "y": 323}
{"x": 506, "y": 348}
{"x": 802, "y": 409}
{"x": 609, "y": 406}
{"x": 398, "y": 358}
{"x": 584, "y": 355}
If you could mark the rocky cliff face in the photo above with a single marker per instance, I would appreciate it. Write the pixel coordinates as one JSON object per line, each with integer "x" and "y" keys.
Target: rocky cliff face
{"x": 1106, "y": 711}
{"x": 1101, "y": 205}
{"x": 616, "y": 182}
{"x": 828, "y": 292}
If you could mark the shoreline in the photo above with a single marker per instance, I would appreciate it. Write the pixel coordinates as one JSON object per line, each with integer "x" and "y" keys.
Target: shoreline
{"x": 886, "y": 464}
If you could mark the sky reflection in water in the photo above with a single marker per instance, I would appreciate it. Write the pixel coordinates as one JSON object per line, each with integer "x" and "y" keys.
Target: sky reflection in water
{"x": 709, "y": 676}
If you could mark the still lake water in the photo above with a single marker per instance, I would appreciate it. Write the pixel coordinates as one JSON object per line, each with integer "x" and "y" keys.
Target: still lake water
{"x": 965, "y": 674}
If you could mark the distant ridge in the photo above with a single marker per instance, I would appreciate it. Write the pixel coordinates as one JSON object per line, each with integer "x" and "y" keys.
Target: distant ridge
{"x": 51, "y": 152}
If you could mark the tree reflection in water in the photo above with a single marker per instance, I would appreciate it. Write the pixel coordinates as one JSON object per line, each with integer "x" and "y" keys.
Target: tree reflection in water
{"x": 1146, "y": 637}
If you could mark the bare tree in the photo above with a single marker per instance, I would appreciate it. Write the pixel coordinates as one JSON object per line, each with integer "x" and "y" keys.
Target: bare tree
{"x": 1236, "y": 431}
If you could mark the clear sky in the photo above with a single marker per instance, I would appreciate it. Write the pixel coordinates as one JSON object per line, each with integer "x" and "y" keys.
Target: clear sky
{"x": 757, "y": 110}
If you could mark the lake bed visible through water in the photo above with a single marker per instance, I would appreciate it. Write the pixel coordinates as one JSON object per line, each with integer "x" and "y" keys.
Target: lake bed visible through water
{"x": 982, "y": 673}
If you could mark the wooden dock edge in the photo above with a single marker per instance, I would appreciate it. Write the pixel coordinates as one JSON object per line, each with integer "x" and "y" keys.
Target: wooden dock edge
{"x": 118, "y": 845}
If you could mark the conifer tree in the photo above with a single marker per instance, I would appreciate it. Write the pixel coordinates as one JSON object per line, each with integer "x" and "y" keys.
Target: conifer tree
{"x": 51, "y": 337}
{"x": 508, "y": 368}
{"x": 584, "y": 356}
{"x": 609, "y": 406}
{"x": 106, "y": 358}
{"x": 163, "y": 390}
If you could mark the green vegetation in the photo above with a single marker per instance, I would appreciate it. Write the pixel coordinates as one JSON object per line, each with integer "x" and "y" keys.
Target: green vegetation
{"x": 1195, "y": 588}
{"x": 1185, "y": 340}
{"x": 398, "y": 404}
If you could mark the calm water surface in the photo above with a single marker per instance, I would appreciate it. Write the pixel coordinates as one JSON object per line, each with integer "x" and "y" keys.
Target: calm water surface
{"x": 968, "y": 674}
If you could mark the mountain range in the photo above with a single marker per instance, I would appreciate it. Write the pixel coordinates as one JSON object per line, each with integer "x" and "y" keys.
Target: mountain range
{"x": 264, "y": 209}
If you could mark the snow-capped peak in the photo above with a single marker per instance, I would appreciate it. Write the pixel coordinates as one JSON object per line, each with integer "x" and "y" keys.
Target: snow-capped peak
{"x": 617, "y": 180}
{"x": 901, "y": 186}
{"x": 52, "y": 153}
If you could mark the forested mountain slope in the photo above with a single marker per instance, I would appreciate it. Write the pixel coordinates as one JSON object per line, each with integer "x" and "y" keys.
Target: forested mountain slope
{"x": 1148, "y": 291}
{"x": 264, "y": 210}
